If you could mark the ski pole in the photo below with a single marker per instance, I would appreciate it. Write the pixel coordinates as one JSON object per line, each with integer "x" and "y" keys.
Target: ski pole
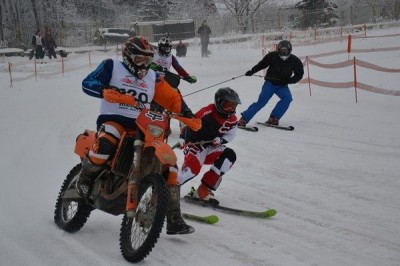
{"x": 213, "y": 85}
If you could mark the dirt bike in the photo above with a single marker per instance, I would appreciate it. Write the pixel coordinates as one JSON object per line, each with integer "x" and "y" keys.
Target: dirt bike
{"x": 132, "y": 184}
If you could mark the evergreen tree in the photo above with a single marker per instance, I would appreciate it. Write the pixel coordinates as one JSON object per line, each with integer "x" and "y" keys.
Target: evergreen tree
{"x": 316, "y": 13}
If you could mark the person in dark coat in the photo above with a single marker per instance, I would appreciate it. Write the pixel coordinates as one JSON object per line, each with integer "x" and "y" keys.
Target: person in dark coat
{"x": 50, "y": 44}
{"x": 283, "y": 68}
{"x": 204, "y": 31}
{"x": 181, "y": 49}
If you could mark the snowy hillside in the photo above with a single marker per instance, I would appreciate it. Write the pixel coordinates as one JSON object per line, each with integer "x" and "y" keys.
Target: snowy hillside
{"x": 334, "y": 180}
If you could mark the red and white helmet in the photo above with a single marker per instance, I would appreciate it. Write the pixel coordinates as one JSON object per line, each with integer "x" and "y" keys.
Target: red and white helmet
{"x": 137, "y": 55}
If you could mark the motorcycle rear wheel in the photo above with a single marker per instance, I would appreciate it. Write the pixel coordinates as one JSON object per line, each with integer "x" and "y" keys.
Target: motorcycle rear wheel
{"x": 71, "y": 215}
{"x": 140, "y": 233}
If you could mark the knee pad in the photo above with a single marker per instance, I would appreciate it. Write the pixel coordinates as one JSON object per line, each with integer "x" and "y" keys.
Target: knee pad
{"x": 224, "y": 162}
{"x": 103, "y": 149}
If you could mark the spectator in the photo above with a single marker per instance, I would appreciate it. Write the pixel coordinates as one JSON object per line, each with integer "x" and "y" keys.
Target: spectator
{"x": 204, "y": 31}
{"x": 181, "y": 49}
{"x": 50, "y": 44}
{"x": 37, "y": 42}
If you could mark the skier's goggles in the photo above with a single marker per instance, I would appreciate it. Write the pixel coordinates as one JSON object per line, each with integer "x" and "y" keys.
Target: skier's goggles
{"x": 141, "y": 59}
{"x": 228, "y": 107}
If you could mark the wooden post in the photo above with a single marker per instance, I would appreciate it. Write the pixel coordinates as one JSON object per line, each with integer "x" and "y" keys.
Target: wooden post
{"x": 348, "y": 46}
{"x": 90, "y": 61}
{"x": 365, "y": 30}
{"x": 308, "y": 75}
{"x": 116, "y": 52}
{"x": 62, "y": 66}
{"x": 355, "y": 78}
{"x": 34, "y": 61}
{"x": 9, "y": 70}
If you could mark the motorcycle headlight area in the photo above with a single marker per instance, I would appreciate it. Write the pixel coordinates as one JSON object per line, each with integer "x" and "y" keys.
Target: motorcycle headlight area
{"x": 155, "y": 131}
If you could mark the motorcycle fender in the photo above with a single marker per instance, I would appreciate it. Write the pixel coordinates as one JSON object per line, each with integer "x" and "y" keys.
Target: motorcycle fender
{"x": 163, "y": 152}
{"x": 83, "y": 142}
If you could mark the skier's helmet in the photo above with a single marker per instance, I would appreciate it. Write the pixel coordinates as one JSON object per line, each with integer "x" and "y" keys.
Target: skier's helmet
{"x": 137, "y": 55}
{"x": 284, "y": 49}
{"x": 164, "y": 46}
{"x": 226, "y": 101}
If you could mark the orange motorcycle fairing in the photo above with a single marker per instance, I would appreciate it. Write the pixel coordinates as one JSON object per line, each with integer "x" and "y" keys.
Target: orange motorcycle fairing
{"x": 147, "y": 117}
{"x": 84, "y": 141}
{"x": 163, "y": 152}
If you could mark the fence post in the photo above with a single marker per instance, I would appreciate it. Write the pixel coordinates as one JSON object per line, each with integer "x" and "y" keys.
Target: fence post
{"x": 90, "y": 61}
{"x": 308, "y": 75}
{"x": 62, "y": 66}
{"x": 9, "y": 70}
{"x": 365, "y": 30}
{"x": 348, "y": 46}
{"x": 355, "y": 78}
{"x": 34, "y": 61}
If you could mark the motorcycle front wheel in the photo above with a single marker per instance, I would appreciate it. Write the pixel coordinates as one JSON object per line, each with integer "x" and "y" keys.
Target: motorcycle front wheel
{"x": 140, "y": 233}
{"x": 71, "y": 214}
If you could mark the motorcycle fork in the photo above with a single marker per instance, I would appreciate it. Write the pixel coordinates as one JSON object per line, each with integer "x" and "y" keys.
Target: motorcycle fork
{"x": 133, "y": 179}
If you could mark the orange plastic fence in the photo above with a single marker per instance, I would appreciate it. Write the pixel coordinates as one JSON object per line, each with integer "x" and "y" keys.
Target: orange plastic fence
{"x": 355, "y": 83}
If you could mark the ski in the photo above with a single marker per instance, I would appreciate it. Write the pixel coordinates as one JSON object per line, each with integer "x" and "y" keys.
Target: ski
{"x": 252, "y": 129}
{"x": 211, "y": 219}
{"x": 259, "y": 214}
{"x": 288, "y": 128}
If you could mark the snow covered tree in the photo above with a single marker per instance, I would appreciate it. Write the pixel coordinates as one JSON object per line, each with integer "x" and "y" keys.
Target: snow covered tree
{"x": 243, "y": 11}
{"x": 319, "y": 13}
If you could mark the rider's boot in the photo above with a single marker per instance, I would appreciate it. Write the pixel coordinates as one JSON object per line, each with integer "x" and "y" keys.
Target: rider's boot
{"x": 175, "y": 222}
{"x": 88, "y": 174}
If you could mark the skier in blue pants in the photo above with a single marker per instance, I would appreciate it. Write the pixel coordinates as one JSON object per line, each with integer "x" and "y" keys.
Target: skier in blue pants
{"x": 283, "y": 68}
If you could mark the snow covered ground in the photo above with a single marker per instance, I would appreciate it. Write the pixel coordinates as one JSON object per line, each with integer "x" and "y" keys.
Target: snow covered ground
{"x": 334, "y": 180}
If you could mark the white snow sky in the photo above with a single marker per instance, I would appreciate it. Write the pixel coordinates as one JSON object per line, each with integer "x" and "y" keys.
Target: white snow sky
{"x": 334, "y": 180}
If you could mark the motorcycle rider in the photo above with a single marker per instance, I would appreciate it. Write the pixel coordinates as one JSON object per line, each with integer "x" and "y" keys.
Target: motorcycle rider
{"x": 132, "y": 76}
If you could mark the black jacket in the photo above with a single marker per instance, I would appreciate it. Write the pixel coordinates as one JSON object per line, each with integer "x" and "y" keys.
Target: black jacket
{"x": 281, "y": 72}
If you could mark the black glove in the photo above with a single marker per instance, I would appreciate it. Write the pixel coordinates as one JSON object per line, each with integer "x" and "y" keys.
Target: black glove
{"x": 190, "y": 79}
{"x": 188, "y": 113}
{"x": 249, "y": 73}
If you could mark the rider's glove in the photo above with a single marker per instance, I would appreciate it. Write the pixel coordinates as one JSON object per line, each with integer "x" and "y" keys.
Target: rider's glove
{"x": 181, "y": 143}
{"x": 188, "y": 113}
{"x": 217, "y": 141}
{"x": 155, "y": 67}
{"x": 109, "y": 88}
{"x": 190, "y": 79}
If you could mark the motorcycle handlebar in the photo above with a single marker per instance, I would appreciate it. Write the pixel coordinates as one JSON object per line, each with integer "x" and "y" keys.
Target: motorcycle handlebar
{"x": 114, "y": 96}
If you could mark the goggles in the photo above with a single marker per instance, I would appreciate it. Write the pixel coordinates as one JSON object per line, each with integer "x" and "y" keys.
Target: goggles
{"x": 141, "y": 59}
{"x": 228, "y": 107}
